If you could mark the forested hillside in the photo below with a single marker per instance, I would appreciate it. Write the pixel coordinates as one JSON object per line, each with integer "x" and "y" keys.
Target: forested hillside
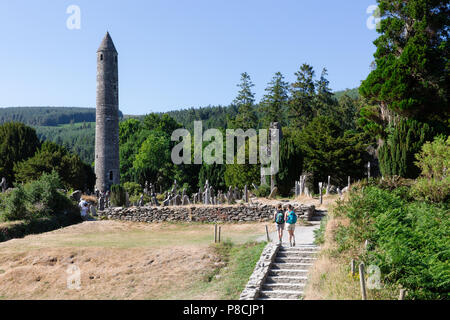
{"x": 74, "y": 128}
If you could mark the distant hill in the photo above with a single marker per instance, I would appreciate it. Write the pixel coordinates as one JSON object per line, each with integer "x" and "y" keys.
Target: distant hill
{"x": 47, "y": 116}
{"x": 352, "y": 93}
{"x": 74, "y": 127}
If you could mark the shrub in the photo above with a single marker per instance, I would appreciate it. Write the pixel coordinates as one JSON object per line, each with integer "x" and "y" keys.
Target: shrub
{"x": 262, "y": 191}
{"x": 434, "y": 161}
{"x": 36, "y": 199}
{"x": 409, "y": 240}
{"x": 15, "y": 205}
{"x": 118, "y": 196}
{"x": 133, "y": 188}
{"x": 396, "y": 156}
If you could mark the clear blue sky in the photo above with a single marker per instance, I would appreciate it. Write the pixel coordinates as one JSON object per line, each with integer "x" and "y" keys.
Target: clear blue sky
{"x": 176, "y": 54}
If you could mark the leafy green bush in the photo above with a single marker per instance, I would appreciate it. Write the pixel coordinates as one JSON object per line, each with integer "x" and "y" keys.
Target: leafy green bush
{"x": 262, "y": 191}
{"x": 133, "y": 188}
{"x": 434, "y": 161}
{"x": 15, "y": 205}
{"x": 40, "y": 198}
{"x": 410, "y": 241}
{"x": 118, "y": 196}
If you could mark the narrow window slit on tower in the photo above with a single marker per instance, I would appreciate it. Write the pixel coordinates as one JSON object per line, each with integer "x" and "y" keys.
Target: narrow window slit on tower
{"x": 101, "y": 57}
{"x": 111, "y": 176}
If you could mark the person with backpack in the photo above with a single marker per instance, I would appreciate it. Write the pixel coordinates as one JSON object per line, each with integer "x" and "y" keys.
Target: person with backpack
{"x": 278, "y": 217}
{"x": 291, "y": 220}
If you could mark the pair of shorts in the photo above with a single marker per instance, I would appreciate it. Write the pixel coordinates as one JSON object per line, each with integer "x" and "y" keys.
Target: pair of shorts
{"x": 280, "y": 226}
{"x": 291, "y": 227}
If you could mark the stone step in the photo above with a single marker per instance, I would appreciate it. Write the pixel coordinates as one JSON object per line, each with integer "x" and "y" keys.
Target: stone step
{"x": 297, "y": 249}
{"x": 288, "y": 272}
{"x": 287, "y": 279}
{"x": 283, "y": 286}
{"x": 305, "y": 254}
{"x": 299, "y": 246}
{"x": 294, "y": 259}
{"x": 288, "y": 265}
{"x": 281, "y": 294}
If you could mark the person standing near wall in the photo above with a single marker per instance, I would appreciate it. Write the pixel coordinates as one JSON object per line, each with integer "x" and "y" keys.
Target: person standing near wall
{"x": 279, "y": 219}
{"x": 291, "y": 220}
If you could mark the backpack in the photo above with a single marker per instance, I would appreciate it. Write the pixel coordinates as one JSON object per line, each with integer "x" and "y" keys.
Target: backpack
{"x": 292, "y": 218}
{"x": 279, "y": 217}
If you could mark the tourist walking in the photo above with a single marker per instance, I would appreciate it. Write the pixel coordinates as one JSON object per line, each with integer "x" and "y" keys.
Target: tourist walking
{"x": 278, "y": 217}
{"x": 291, "y": 220}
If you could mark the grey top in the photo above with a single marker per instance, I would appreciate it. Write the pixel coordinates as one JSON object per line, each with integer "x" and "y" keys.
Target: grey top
{"x": 107, "y": 44}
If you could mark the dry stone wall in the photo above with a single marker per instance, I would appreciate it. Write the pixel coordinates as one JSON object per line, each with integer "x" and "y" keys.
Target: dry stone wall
{"x": 231, "y": 213}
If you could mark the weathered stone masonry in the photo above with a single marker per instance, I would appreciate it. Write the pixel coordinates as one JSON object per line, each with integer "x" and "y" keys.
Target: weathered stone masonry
{"x": 236, "y": 213}
{"x": 107, "y": 116}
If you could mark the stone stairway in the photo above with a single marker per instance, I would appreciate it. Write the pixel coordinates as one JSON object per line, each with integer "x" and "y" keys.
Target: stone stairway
{"x": 289, "y": 272}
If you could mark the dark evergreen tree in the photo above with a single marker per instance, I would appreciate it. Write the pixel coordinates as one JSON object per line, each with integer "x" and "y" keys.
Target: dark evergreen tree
{"x": 275, "y": 102}
{"x": 328, "y": 151}
{"x": 246, "y": 117}
{"x": 17, "y": 142}
{"x": 396, "y": 155}
{"x": 411, "y": 74}
{"x": 301, "y": 105}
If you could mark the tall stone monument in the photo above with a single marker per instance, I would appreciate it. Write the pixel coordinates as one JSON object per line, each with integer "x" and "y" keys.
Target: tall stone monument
{"x": 107, "y": 116}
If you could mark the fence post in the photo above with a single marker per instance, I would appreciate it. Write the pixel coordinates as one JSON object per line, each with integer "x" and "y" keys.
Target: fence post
{"x": 362, "y": 281}
{"x": 267, "y": 233}
{"x": 352, "y": 266}
{"x": 402, "y": 294}
{"x": 220, "y": 229}
{"x": 215, "y": 233}
{"x": 320, "y": 191}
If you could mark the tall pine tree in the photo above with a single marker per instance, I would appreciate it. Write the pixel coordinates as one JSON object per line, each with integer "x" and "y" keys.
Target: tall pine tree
{"x": 245, "y": 100}
{"x": 301, "y": 105}
{"x": 275, "y": 101}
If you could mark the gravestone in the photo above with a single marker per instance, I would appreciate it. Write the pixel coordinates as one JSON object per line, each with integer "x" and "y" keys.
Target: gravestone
{"x": 185, "y": 200}
{"x": 4, "y": 185}
{"x": 273, "y": 193}
{"x": 76, "y": 195}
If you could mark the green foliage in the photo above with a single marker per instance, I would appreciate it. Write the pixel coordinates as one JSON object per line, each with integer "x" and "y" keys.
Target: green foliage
{"x": 275, "y": 102}
{"x": 15, "y": 205}
{"x": 162, "y": 123}
{"x": 396, "y": 156}
{"x": 239, "y": 175}
{"x": 154, "y": 154}
{"x": 72, "y": 171}
{"x": 47, "y": 116}
{"x": 411, "y": 75}
{"x": 133, "y": 188}
{"x": 434, "y": 161}
{"x": 37, "y": 199}
{"x": 263, "y": 191}
{"x": 301, "y": 104}
{"x": 319, "y": 234}
{"x": 78, "y": 138}
{"x": 329, "y": 151}
{"x": 17, "y": 142}
{"x": 409, "y": 241}
{"x": 118, "y": 195}
{"x": 215, "y": 174}
{"x": 291, "y": 161}
{"x": 246, "y": 117}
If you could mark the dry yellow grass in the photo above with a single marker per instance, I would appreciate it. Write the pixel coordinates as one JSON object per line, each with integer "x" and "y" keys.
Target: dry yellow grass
{"x": 330, "y": 277}
{"x": 118, "y": 260}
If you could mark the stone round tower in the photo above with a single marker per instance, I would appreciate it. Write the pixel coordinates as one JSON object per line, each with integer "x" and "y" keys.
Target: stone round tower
{"x": 107, "y": 117}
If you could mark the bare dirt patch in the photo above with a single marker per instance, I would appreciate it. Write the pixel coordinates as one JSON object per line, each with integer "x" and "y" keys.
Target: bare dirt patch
{"x": 117, "y": 260}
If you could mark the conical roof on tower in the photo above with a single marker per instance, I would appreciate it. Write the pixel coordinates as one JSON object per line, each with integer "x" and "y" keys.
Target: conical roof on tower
{"x": 107, "y": 44}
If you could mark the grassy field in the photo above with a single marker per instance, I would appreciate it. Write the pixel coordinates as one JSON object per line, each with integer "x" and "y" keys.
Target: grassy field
{"x": 125, "y": 260}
